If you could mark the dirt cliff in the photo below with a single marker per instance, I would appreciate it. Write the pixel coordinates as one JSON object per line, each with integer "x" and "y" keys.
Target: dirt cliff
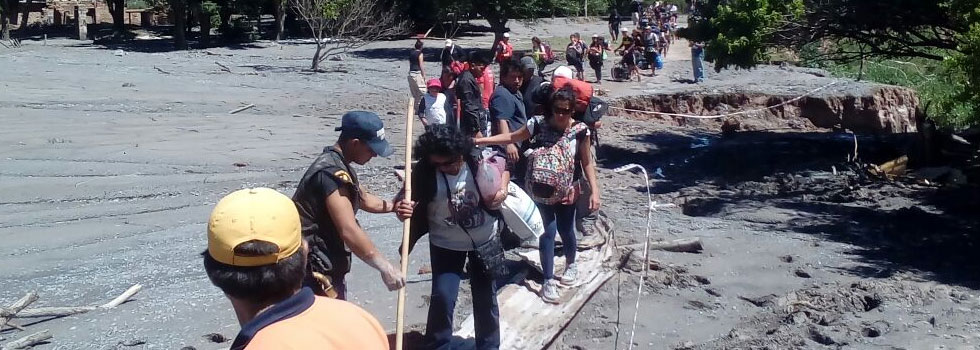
{"x": 880, "y": 109}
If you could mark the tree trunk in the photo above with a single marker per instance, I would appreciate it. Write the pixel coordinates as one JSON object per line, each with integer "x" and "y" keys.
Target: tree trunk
{"x": 179, "y": 10}
{"x": 25, "y": 15}
{"x": 4, "y": 25}
{"x": 117, "y": 8}
{"x": 224, "y": 13}
{"x": 499, "y": 27}
{"x": 280, "y": 19}
{"x": 204, "y": 21}
{"x": 316, "y": 56}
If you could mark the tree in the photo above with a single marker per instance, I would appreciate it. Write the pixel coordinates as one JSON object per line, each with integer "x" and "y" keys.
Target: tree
{"x": 339, "y": 26}
{"x": 178, "y": 8}
{"x": 5, "y": 10}
{"x": 117, "y": 8}
{"x": 743, "y": 33}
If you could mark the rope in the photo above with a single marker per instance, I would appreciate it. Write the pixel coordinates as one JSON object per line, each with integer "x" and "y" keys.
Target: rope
{"x": 808, "y": 93}
{"x": 646, "y": 246}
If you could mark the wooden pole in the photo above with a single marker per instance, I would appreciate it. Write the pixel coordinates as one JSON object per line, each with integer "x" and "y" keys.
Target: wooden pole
{"x": 407, "y": 225}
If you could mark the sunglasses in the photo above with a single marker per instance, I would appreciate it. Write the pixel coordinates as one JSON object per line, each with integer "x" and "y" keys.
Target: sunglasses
{"x": 562, "y": 111}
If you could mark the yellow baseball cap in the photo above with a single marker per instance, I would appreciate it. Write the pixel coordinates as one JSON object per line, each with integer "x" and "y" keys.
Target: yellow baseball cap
{"x": 261, "y": 214}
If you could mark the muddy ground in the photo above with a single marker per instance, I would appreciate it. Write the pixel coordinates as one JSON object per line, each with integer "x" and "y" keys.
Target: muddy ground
{"x": 112, "y": 157}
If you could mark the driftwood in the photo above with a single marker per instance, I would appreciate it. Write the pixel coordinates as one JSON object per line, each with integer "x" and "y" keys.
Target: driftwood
{"x": 28, "y": 341}
{"x": 71, "y": 310}
{"x": 223, "y": 67}
{"x": 13, "y": 309}
{"x": 161, "y": 70}
{"x": 242, "y": 108}
{"x": 683, "y": 245}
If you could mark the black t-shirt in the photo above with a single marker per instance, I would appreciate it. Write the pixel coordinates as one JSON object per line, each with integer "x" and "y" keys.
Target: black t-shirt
{"x": 471, "y": 103}
{"x": 326, "y": 175}
{"x": 528, "y": 90}
{"x": 413, "y": 61}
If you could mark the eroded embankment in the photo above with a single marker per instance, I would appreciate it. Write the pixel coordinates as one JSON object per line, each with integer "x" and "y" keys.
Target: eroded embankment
{"x": 883, "y": 109}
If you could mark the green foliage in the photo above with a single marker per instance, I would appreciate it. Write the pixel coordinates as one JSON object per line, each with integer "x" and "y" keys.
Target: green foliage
{"x": 332, "y": 8}
{"x": 932, "y": 46}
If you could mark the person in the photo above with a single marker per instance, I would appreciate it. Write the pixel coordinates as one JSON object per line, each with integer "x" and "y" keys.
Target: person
{"x": 451, "y": 53}
{"x": 505, "y": 50}
{"x": 469, "y": 92}
{"x": 575, "y": 53}
{"x": 416, "y": 71}
{"x": 637, "y": 11}
{"x": 697, "y": 61}
{"x": 433, "y": 108}
{"x": 558, "y": 218}
{"x": 487, "y": 84}
{"x": 540, "y": 51}
{"x": 507, "y": 109}
{"x": 529, "y": 86}
{"x": 449, "y": 205}
{"x": 597, "y": 54}
{"x": 257, "y": 256}
{"x": 614, "y": 23}
{"x": 328, "y": 197}
{"x": 448, "y": 81}
{"x": 666, "y": 36}
{"x": 651, "y": 48}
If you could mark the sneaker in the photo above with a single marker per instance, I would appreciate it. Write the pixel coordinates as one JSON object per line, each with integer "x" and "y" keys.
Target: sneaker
{"x": 549, "y": 292}
{"x": 570, "y": 276}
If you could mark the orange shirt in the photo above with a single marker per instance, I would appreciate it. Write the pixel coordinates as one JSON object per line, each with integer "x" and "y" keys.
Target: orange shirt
{"x": 326, "y": 324}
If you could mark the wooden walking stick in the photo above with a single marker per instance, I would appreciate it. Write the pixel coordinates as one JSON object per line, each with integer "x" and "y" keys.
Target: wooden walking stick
{"x": 407, "y": 225}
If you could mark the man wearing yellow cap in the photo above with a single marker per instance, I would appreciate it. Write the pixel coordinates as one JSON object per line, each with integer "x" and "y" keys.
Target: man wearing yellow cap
{"x": 328, "y": 197}
{"x": 257, "y": 256}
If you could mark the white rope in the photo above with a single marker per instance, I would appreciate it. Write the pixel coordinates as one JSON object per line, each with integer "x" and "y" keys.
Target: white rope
{"x": 646, "y": 245}
{"x": 808, "y": 93}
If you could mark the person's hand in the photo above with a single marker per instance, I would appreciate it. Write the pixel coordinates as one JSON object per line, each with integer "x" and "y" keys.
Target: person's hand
{"x": 498, "y": 199}
{"x": 392, "y": 277}
{"x": 404, "y": 209}
{"x": 513, "y": 155}
{"x": 571, "y": 197}
{"x": 594, "y": 202}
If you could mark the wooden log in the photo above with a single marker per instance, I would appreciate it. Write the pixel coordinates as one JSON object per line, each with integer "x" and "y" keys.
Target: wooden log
{"x": 406, "y": 227}
{"x": 683, "y": 245}
{"x": 122, "y": 298}
{"x": 239, "y": 109}
{"x": 28, "y": 341}
{"x": 74, "y": 310}
{"x": 17, "y": 306}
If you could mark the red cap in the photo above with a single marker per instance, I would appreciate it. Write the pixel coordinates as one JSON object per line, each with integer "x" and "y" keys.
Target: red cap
{"x": 433, "y": 83}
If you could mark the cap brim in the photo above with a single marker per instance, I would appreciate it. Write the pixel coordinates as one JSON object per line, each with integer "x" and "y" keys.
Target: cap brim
{"x": 381, "y": 147}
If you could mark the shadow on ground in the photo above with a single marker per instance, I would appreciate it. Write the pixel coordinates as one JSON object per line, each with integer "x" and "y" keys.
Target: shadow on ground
{"x": 785, "y": 180}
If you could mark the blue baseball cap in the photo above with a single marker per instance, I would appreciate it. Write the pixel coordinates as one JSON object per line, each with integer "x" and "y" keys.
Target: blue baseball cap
{"x": 365, "y": 126}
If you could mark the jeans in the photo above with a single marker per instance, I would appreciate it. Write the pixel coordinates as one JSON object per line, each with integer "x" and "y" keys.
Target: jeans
{"x": 697, "y": 63}
{"x": 447, "y": 271}
{"x": 416, "y": 85}
{"x": 558, "y": 219}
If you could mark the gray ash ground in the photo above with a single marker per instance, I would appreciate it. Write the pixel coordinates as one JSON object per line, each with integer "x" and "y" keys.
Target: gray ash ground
{"x": 109, "y": 168}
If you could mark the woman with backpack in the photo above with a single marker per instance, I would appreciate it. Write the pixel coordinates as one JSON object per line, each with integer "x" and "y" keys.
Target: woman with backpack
{"x": 575, "y": 55}
{"x": 558, "y": 145}
{"x": 542, "y": 54}
{"x": 462, "y": 224}
{"x": 597, "y": 56}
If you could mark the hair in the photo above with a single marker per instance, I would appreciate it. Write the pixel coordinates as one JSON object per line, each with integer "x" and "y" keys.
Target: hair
{"x": 511, "y": 65}
{"x": 264, "y": 284}
{"x": 418, "y": 44}
{"x": 442, "y": 140}
{"x": 478, "y": 56}
{"x": 535, "y": 39}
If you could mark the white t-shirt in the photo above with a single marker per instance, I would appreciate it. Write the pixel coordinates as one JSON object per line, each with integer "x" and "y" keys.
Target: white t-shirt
{"x": 447, "y": 216}
{"x": 435, "y": 109}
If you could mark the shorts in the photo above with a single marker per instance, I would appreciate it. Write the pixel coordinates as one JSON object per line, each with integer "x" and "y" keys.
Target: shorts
{"x": 651, "y": 58}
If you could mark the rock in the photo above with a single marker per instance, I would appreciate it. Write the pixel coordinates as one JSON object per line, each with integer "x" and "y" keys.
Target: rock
{"x": 802, "y": 274}
{"x": 119, "y": 53}
{"x": 128, "y": 85}
{"x": 216, "y": 337}
{"x": 786, "y": 258}
{"x": 822, "y": 336}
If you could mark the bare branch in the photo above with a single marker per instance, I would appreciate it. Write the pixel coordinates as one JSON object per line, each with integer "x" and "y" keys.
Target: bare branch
{"x": 339, "y": 26}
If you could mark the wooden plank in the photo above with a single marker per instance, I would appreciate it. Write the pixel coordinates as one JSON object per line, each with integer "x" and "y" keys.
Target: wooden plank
{"x": 520, "y": 329}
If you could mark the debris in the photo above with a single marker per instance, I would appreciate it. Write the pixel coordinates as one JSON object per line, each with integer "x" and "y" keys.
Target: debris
{"x": 242, "y": 108}
{"x": 761, "y": 301}
{"x": 786, "y": 258}
{"x": 132, "y": 342}
{"x": 224, "y": 68}
{"x": 161, "y": 70}
{"x": 216, "y": 337}
{"x": 28, "y": 341}
{"x": 684, "y": 245}
{"x": 119, "y": 53}
{"x": 128, "y": 85}
{"x": 894, "y": 167}
{"x": 713, "y": 292}
{"x": 240, "y": 164}
{"x": 425, "y": 269}
{"x": 802, "y": 274}
{"x": 71, "y": 310}
{"x": 12, "y": 310}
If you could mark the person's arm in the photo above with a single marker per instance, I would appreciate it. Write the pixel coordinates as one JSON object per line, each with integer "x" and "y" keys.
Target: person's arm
{"x": 501, "y": 195}
{"x": 342, "y": 213}
{"x": 503, "y": 139}
{"x": 422, "y": 65}
{"x": 374, "y": 204}
{"x": 588, "y": 164}
{"x": 513, "y": 154}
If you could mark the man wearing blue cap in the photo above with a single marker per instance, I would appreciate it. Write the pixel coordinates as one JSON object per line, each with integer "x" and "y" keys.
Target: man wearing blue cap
{"x": 328, "y": 197}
